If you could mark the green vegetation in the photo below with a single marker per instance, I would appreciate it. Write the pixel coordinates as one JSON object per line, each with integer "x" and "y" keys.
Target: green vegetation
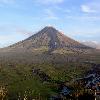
{"x": 19, "y": 80}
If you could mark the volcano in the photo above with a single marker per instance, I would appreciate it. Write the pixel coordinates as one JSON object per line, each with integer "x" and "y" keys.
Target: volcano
{"x": 49, "y": 39}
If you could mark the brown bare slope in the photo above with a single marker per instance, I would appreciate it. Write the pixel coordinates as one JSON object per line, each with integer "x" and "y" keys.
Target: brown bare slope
{"x": 48, "y": 39}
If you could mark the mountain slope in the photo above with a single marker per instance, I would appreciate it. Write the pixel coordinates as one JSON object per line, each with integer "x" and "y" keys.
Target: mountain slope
{"x": 48, "y": 39}
{"x": 47, "y": 45}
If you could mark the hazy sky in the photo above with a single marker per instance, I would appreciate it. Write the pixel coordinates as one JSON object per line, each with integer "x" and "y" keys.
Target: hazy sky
{"x": 79, "y": 19}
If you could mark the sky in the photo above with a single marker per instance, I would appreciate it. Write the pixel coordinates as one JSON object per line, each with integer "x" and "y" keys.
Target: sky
{"x": 78, "y": 19}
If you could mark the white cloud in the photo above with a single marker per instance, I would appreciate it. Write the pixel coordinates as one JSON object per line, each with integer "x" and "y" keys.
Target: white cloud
{"x": 23, "y": 31}
{"x": 61, "y": 9}
{"x": 94, "y": 44}
{"x": 50, "y": 1}
{"x": 50, "y": 14}
{"x": 6, "y": 40}
{"x": 89, "y": 18}
{"x": 92, "y": 6}
{"x": 87, "y": 9}
{"x": 12, "y": 34}
{"x": 7, "y": 1}
{"x": 14, "y": 29}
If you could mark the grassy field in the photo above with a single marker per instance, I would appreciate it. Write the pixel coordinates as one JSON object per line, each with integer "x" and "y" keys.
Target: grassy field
{"x": 17, "y": 79}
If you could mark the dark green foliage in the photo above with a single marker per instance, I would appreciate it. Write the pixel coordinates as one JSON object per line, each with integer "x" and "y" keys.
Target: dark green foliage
{"x": 20, "y": 79}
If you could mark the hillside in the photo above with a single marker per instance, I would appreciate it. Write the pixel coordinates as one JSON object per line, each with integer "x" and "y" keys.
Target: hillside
{"x": 49, "y": 39}
{"x": 45, "y": 46}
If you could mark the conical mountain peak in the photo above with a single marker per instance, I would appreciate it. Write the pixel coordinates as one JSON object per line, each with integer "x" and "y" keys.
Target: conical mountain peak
{"x": 50, "y": 27}
{"x": 49, "y": 37}
{"x": 49, "y": 30}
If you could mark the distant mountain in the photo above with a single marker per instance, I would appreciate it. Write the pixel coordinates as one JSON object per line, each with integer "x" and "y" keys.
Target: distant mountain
{"x": 49, "y": 39}
{"x": 92, "y": 44}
